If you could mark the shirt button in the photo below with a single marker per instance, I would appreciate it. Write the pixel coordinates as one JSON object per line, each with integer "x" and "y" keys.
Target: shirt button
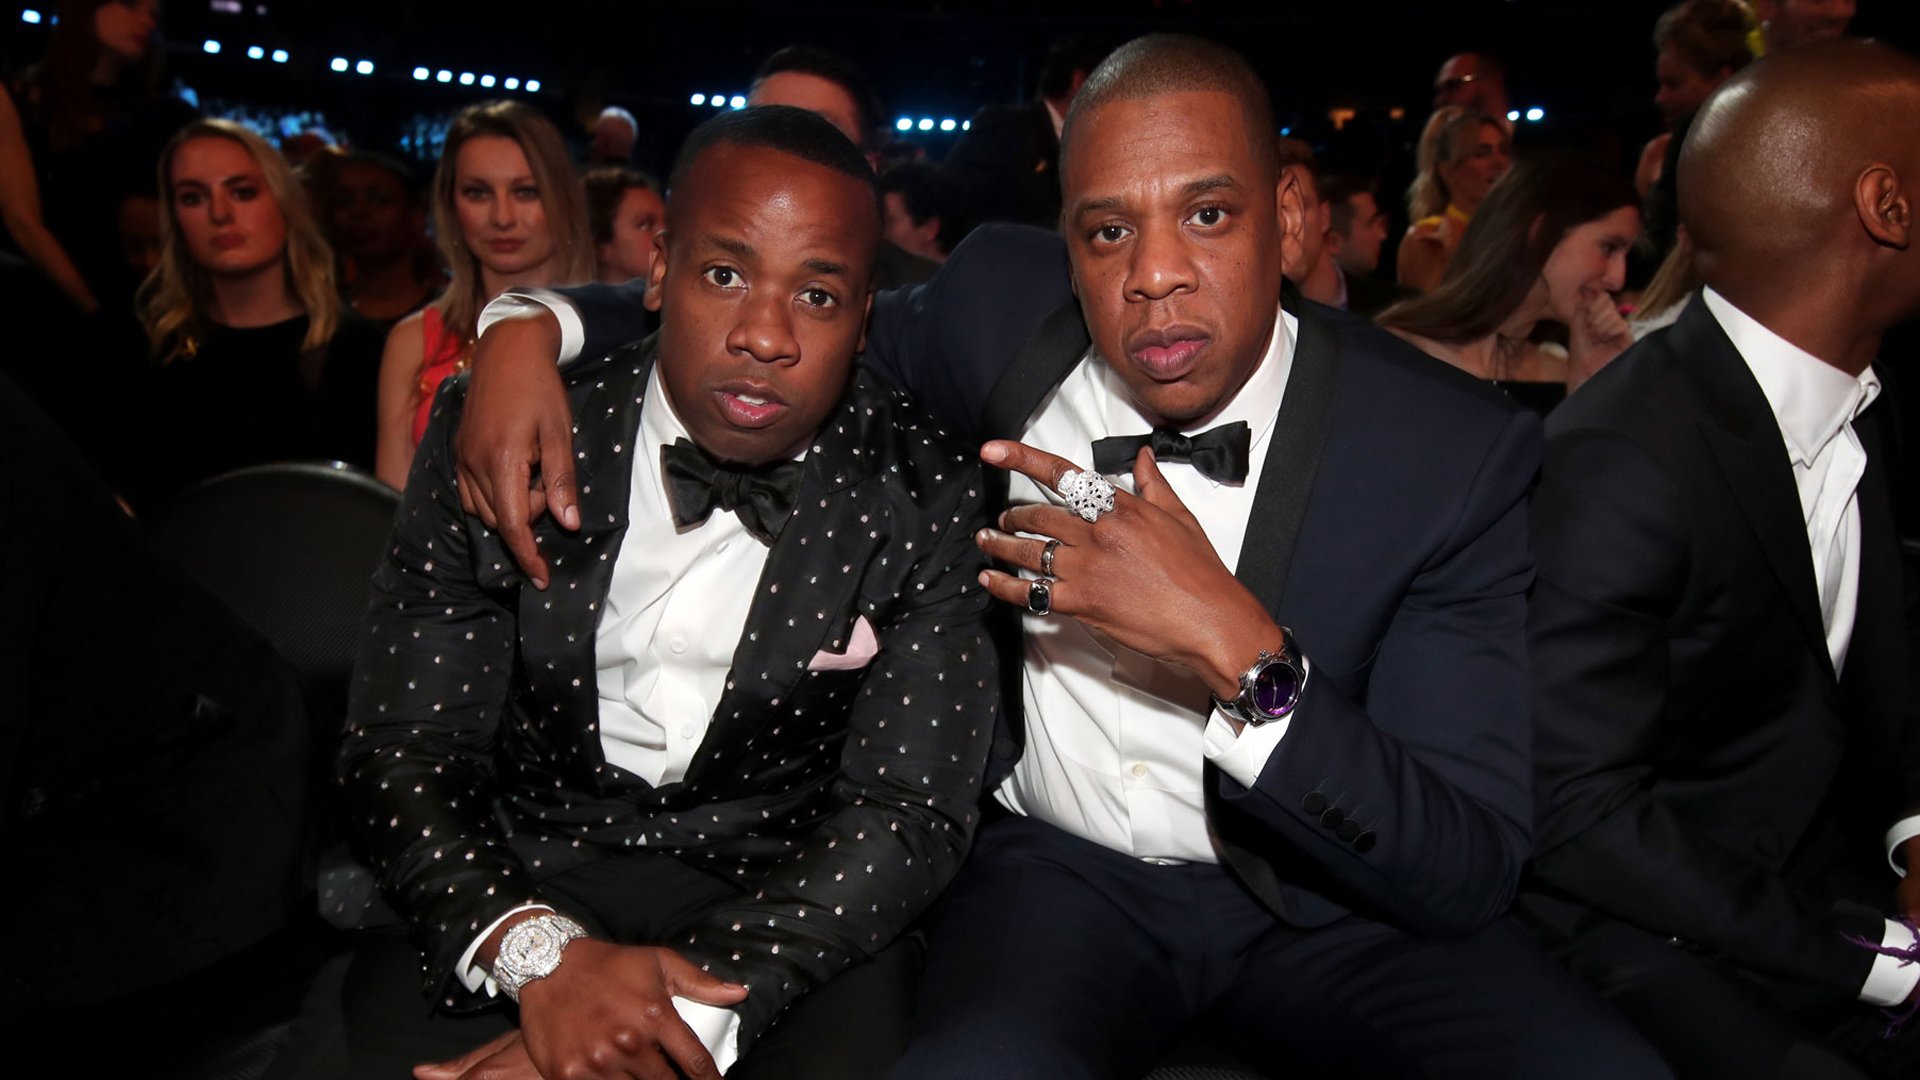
{"x": 1139, "y": 768}
{"x": 689, "y": 729}
{"x": 679, "y": 643}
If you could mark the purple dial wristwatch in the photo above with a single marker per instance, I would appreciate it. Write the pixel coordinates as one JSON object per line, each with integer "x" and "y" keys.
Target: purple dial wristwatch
{"x": 1271, "y": 687}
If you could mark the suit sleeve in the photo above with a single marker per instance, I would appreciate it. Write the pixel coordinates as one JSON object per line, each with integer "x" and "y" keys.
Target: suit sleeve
{"x": 1414, "y": 801}
{"x": 908, "y": 790}
{"x": 946, "y": 342}
{"x": 430, "y": 682}
{"x": 1614, "y": 560}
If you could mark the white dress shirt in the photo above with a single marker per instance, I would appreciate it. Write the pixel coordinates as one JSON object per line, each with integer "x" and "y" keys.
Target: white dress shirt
{"x": 1815, "y": 404}
{"x": 1115, "y": 742}
{"x": 675, "y": 610}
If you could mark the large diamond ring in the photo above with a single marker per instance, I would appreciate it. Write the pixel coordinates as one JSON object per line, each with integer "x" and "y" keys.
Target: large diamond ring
{"x": 1046, "y": 558}
{"x": 1086, "y": 493}
{"x": 1040, "y": 595}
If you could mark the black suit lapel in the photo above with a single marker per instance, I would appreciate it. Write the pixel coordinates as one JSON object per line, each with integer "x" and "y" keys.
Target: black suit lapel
{"x": 1055, "y": 347}
{"x": 1739, "y": 427}
{"x": 1293, "y": 460}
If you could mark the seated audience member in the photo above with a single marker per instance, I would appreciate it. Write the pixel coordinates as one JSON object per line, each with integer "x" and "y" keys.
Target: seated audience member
{"x": 1476, "y": 82}
{"x": 702, "y": 784}
{"x": 1312, "y": 269}
{"x": 258, "y": 362}
{"x": 923, "y": 212}
{"x": 625, "y": 210}
{"x": 1727, "y": 741}
{"x": 156, "y": 770}
{"x": 1461, "y": 155}
{"x": 1549, "y": 243}
{"x": 1303, "y": 874}
{"x": 1356, "y": 231}
{"x": 614, "y": 133}
{"x": 137, "y": 221}
{"x": 379, "y": 219}
{"x": 508, "y": 210}
{"x": 1700, "y": 44}
{"x": 1007, "y": 163}
{"x": 834, "y": 87}
{"x": 1786, "y": 24}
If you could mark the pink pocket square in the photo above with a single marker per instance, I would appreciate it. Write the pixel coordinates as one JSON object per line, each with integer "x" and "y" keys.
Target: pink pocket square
{"x": 860, "y": 651}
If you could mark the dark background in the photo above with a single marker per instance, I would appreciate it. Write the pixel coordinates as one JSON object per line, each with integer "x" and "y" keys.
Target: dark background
{"x": 1588, "y": 64}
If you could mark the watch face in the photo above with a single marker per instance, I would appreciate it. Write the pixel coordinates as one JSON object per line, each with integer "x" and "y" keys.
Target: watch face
{"x": 532, "y": 948}
{"x": 1275, "y": 690}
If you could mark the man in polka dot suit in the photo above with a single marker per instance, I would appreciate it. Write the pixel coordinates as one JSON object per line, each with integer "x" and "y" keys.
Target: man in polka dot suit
{"x": 738, "y": 737}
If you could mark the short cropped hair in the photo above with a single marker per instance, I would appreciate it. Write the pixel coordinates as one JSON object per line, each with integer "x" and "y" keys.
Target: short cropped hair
{"x": 927, "y": 193}
{"x": 836, "y": 69}
{"x": 1338, "y": 190}
{"x": 805, "y": 135}
{"x": 1706, "y": 35}
{"x": 1160, "y": 64}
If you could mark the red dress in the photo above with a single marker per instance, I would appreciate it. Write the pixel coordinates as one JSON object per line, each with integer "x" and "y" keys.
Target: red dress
{"x": 444, "y": 353}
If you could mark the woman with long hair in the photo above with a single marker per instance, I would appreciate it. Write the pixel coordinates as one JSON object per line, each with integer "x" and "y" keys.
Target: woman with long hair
{"x": 508, "y": 210}
{"x": 1549, "y": 242}
{"x": 257, "y": 362}
{"x": 1462, "y": 154}
{"x": 100, "y": 57}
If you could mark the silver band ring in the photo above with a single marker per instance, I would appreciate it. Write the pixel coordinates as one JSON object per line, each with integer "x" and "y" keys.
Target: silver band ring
{"x": 1046, "y": 558}
{"x": 1040, "y": 596}
{"x": 1086, "y": 493}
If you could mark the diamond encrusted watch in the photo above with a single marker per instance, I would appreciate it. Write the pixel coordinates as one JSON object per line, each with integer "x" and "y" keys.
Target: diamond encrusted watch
{"x": 531, "y": 950}
{"x": 1271, "y": 687}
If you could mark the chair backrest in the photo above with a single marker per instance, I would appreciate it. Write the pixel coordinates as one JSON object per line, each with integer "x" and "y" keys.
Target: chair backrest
{"x": 291, "y": 548}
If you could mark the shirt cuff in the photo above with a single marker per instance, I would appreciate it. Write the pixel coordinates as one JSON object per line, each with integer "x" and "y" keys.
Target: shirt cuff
{"x": 1903, "y": 830}
{"x": 1891, "y": 979}
{"x": 573, "y": 332}
{"x": 468, "y": 970}
{"x": 1244, "y": 754}
{"x": 718, "y": 1029}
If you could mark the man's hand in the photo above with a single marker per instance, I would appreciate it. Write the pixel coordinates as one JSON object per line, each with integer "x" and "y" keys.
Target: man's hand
{"x": 1598, "y": 334}
{"x": 1144, "y": 575}
{"x": 516, "y": 420}
{"x": 607, "y": 1012}
{"x": 505, "y": 1058}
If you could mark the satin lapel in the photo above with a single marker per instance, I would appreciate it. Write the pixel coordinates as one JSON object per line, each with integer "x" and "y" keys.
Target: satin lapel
{"x": 1740, "y": 429}
{"x": 1055, "y": 347}
{"x": 810, "y": 573}
{"x": 557, "y": 625}
{"x": 1293, "y": 459}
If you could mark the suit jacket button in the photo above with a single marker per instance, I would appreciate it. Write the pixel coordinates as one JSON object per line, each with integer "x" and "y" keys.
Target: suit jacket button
{"x": 1364, "y": 842}
{"x": 1348, "y": 830}
{"x": 1332, "y": 818}
{"x": 1314, "y": 803}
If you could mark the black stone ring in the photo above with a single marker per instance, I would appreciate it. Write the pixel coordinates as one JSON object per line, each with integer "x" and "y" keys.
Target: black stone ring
{"x": 1046, "y": 558}
{"x": 1040, "y": 596}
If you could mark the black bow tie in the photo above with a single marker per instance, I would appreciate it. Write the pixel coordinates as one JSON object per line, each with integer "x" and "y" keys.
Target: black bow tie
{"x": 763, "y": 498}
{"x": 1218, "y": 453}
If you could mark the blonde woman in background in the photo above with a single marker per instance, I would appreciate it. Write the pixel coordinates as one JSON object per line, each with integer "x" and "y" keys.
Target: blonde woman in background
{"x": 1462, "y": 153}
{"x": 257, "y": 362}
{"x": 508, "y": 210}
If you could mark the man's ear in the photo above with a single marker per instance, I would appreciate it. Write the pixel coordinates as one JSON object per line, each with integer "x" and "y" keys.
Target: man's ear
{"x": 928, "y": 231}
{"x": 657, "y": 277}
{"x": 1884, "y": 206}
{"x": 1292, "y": 217}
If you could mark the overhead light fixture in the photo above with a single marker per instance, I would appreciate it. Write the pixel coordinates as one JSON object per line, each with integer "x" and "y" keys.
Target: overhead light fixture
{"x": 210, "y": 47}
{"x": 30, "y": 16}
{"x": 949, "y": 125}
{"x": 1536, "y": 114}
{"x": 339, "y": 63}
{"x": 697, "y": 99}
{"x": 443, "y": 75}
{"x": 926, "y": 124}
{"x": 279, "y": 56}
{"x": 421, "y": 74}
{"x": 486, "y": 80}
{"x": 511, "y": 83}
{"x": 466, "y": 78}
{"x": 905, "y": 123}
{"x": 533, "y": 86}
{"x": 1513, "y": 116}
{"x": 255, "y": 52}
{"x": 738, "y": 101}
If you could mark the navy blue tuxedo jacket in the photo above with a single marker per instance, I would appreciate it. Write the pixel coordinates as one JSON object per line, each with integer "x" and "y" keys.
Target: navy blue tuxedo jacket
{"x": 1389, "y": 532}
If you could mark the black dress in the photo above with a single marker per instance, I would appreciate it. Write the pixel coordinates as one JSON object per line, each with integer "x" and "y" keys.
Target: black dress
{"x": 250, "y": 396}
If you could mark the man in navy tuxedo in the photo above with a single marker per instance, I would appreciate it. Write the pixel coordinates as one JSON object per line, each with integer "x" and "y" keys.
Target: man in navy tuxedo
{"x": 1269, "y": 768}
{"x": 703, "y": 781}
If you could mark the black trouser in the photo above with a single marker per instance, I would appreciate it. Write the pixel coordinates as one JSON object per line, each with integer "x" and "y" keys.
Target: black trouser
{"x": 852, "y": 1027}
{"x": 1052, "y": 957}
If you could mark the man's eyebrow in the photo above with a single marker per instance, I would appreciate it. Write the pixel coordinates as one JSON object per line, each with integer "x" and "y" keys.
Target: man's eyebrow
{"x": 827, "y": 266}
{"x": 1217, "y": 182}
{"x": 739, "y": 249}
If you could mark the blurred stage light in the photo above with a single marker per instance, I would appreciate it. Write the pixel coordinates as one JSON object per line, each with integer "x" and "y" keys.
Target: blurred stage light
{"x": 364, "y": 67}
{"x": 486, "y": 80}
{"x": 466, "y": 78}
{"x": 339, "y": 63}
{"x": 511, "y": 83}
{"x": 948, "y": 125}
{"x": 279, "y": 56}
{"x": 926, "y": 124}
{"x": 697, "y": 99}
{"x": 1285, "y": 131}
{"x": 1536, "y": 114}
{"x": 30, "y": 16}
{"x": 533, "y": 86}
{"x": 1513, "y": 116}
{"x": 210, "y": 46}
{"x": 966, "y": 125}
{"x": 443, "y": 75}
{"x": 738, "y": 101}
{"x": 422, "y": 74}
{"x": 255, "y": 52}
{"x": 903, "y": 124}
